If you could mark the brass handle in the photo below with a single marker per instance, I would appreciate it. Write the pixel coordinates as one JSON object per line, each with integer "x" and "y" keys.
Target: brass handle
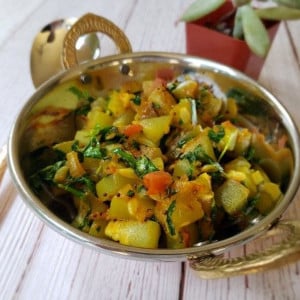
{"x": 286, "y": 251}
{"x": 87, "y": 24}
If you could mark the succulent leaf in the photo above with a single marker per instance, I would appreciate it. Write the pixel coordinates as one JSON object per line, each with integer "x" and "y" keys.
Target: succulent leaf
{"x": 278, "y": 13}
{"x": 289, "y": 3}
{"x": 238, "y": 25}
{"x": 255, "y": 33}
{"x": 199, "y": 9}
{"x": 240, "y": 2}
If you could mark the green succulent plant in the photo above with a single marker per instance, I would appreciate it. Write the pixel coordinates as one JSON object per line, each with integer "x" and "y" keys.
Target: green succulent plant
{"x": 248, "y": 19}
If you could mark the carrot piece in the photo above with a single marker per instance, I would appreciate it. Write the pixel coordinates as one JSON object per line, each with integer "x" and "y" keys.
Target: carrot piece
{"x": 132, "y": 129}
{"x": 157, "y": 182}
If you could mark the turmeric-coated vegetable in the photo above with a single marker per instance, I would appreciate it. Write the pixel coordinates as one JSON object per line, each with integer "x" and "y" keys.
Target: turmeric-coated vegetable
{"x": 164, "y": 163}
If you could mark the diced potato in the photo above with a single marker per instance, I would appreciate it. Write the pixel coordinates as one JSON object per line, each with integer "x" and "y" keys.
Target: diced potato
{"x": 228, "y": 142}
{"x": 141, "y": 139}
{"x": 182, "y": 209}
{"x": 119, "y": 205}
{"x": 269, "y": 194}
{"x": 100, "y": 102}
{"x": 272, "y": 189}
{"x": 141, "y": 208}
{"x": 108, "y": 186}
{"x": 162, "y": 100}
{"x": 186, "y": 89}
{"x": 134, "y": 233}
{"x": 232, "y": 195}
{"x": 206, "y": 194}
{"x": 250, "y": 184}
{"x": 182, "y": 167}
{"x": 83, "y": 137}
{"x": 115, "y": 104}
{"x": 243, "y": 141}
{"x": 257, "y": 177}
{"x": 158, "y": 162}
{"x": 96, "y": 206}
{"x": 231, "y": 108}
{"x": 119, "y": 209}
{"x": 211, "y": 106}
{"x": 91, "y": 165}
{"x": 124, "y": 119}
{"x": 238, "y": 164}
{"x": 150, "y": 85}
{"x": 236, "y": 175}
{"x": 128, "y": 173}
{"x": 182, "y": 114}
{"x": 96, "y": 117}
{"x": 277, "y": 164}
{"x": 61, "y": 174}
{"x": 151, "y": 152}
{"x": 186, "y": 212}
{"x": 64, "y": 146}
{"x": 240, "y": 170}
{"x": 98, "y": 228}
{"x": 186, "y": 237}
{"x": 264, "y": 203}
{"x": 203, "y": 140}
{"x": 155, "y": 128}
{"x": 125, "y": 99}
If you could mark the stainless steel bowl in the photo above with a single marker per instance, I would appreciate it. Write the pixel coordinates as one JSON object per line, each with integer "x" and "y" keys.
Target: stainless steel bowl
{"x": 110, "y": 72}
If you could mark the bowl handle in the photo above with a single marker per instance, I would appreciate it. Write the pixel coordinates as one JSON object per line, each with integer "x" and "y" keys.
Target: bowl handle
{"x": 87, "y": 24}
{"x": 279, "y": 254}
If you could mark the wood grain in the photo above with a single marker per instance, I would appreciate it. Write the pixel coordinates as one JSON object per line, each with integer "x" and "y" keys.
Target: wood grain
{"x": 38, "y": 263}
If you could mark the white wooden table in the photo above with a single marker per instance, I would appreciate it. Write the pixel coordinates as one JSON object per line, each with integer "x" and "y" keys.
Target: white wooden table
{"x": 38, "y": 263}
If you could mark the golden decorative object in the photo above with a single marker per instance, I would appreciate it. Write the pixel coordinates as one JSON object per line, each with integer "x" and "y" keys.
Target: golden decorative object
{"x": 87, "y": 24}
{"x": 47, "y": 47}
{"x": 287, "y": 251}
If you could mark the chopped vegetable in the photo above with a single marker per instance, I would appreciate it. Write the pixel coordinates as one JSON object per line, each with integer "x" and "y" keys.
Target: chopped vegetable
{"x": 157, "y": 182}
{"x": 200, "y": 8}
{"x": 155, "y": 128}
{"x": 232, "y": 195}
{"x": 134, "y": 233}
{"x": 141, "y": 165}
{"x": 162, "y": 163}
{"x": 133, "y": 129}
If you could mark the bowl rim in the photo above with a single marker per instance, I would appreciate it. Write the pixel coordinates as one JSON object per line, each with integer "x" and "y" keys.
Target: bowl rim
{"x": 112, "y": 247}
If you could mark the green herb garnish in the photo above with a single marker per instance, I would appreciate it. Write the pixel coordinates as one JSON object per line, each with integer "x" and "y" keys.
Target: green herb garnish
{"x": 216, "y": 136}
{"x": 141, "y": 165}
{"x": 137, "y": 99}
{"x": 248, "y": 103}
{"x": 169, "y": 220}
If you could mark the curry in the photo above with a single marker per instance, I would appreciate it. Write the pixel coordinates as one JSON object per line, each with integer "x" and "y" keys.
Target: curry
{"x": 163, "y": 163}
